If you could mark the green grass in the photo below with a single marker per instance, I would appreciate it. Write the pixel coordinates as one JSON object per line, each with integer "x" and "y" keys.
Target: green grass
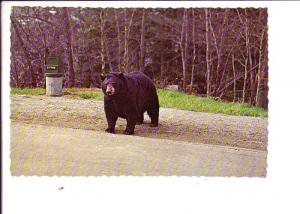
{"x": 28, "y": 91}
{"x": 167, "y": 99}
{"x": 91, "y": 95}
{"x": 179, "y": 100}
{"x": 75, "y": 93}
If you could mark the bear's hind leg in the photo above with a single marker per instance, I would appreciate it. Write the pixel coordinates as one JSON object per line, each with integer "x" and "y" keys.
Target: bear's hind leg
{"x": 153, "y": 108}
{"x": 153, "y": 114}
{"x": 141, "y": 119}
{"x": 131, "y": 122}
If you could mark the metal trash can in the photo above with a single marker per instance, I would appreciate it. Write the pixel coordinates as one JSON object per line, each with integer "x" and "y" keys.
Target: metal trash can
{"x": 54, "y": 77}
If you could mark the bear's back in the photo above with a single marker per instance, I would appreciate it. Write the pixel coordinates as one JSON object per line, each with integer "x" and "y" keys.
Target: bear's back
{"x": 141, "y": 78}
{"x": 138, "y": 75}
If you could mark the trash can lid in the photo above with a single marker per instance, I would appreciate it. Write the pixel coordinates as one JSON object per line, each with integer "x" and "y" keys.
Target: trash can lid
{"x": 52, "y": 60}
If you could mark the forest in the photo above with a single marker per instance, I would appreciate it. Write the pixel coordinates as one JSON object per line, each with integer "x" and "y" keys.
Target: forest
{"x": 216, "y": 52}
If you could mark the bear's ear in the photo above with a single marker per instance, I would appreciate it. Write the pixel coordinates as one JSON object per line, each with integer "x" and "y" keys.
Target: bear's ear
{"x": 102, "y": 77}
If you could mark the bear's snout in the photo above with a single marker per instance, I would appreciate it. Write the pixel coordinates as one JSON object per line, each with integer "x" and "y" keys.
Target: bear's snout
{"x": 110, "y": 90}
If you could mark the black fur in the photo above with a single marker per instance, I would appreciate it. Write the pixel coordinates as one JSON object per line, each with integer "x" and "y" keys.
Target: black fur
{"x": 134, "y": 93}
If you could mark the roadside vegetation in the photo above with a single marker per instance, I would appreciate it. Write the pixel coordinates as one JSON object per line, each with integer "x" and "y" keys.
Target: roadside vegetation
{"x": 167, "y": 99}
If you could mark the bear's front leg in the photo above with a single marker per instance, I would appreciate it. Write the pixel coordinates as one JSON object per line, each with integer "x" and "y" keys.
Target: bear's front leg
{"x": 111, "y": 120}
{"x": 110, "y": 114}
{"x": 111, "y": 125}
{"x": 131, "y": 122}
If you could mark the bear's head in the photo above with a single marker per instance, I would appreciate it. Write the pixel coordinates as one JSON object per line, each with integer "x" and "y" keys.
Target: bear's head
{"x": 113, "y": 83}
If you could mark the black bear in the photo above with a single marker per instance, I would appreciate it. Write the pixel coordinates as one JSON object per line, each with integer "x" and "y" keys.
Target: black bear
{"x": 129, "y": 95}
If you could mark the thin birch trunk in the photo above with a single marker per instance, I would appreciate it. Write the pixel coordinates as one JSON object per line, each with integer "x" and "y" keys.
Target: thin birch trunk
{"x": 142, "y": 66}
{"x": 70, "y": 49}
{"x": 108, "y": 57}
{"x": 252, "y": 75}
{"x": 119, "y": 38}
{"x": 259, "y": 67}
{"x": 216, "y": 44}
{"x": 45, "y": 55}
{"x": 207, "y": 54}
{"x": 194, "y": 48}
{"x": 245, "y": 74}
{"x": 247, "y": 52}
{"x": 104, "y": 44}
{"x": 126, "y": 39}
{"x": 162, "y": 70}
{"x": 185, "y": 50}
{"x": 220, "y": 50}
{"x": 183, "y": 47}
{"x": 102, "y": 49}
{"x": 234, "y": 78}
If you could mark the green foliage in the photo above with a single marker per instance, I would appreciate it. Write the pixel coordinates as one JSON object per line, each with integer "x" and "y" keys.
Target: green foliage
{"x": 167, "y": 99}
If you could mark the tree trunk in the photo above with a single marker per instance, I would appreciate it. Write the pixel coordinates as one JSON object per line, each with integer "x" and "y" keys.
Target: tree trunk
{"x": 119, "y": 38}
{"x": 245, "y": 75}
{"x": 104, "y": 48}
{"x": 218, "y": 54}
{"x": 70, "y": 48}
{"x": 194, "y": 48}
{"x": 259, "y": 68}
{"x": 162, "y": 71}
{"x": 220, "y": 69}
{"x": 207, "y": 54}
{"x": 252, "y": 77}
{"x": 245, "y": 23}
{"x": 126, "y": 39}
{"x": 15, "y": 72}
{"x": 142, "y": 51}
{"x": 234, "y": 79}
{"x": 183, "y": 47}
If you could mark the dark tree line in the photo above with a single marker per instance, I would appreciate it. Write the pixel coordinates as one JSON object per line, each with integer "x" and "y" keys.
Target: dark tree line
{"x": 210, "y": 51}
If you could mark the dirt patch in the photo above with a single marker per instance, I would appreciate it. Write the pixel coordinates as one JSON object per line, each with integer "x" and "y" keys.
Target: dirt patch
{"x": 179, "y": 125}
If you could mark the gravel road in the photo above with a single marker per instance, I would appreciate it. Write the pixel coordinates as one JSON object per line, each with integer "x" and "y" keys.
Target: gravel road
{"x": 56, "y": 151}
{"x": 61, "y": 136}
{"x": 179, "y": 125}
